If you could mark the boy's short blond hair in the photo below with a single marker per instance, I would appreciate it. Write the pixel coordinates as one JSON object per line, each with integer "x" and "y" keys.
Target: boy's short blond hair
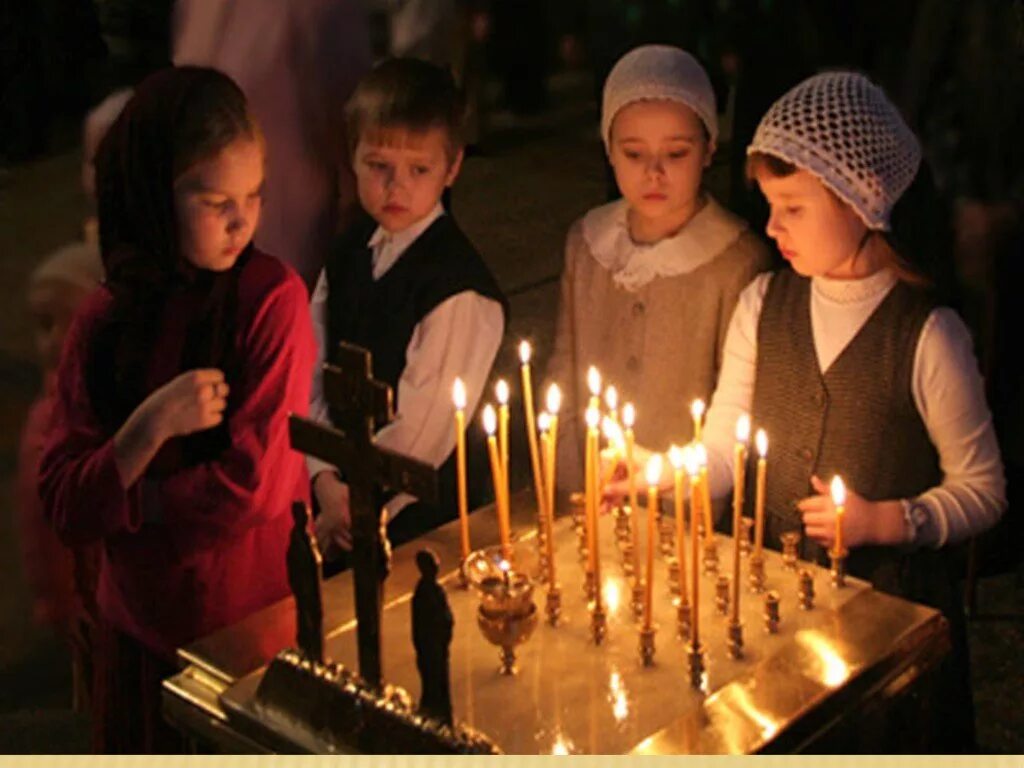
{"x": 408, "y": 94}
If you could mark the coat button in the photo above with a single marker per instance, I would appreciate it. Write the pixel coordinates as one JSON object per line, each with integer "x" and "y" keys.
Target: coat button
{"x": 638, "y": 309}
{"x": 633, "y": 364}
{"x": 806, "y": 454}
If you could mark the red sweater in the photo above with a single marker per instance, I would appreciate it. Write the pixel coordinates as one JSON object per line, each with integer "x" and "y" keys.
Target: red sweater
{"x": 199, "y": 549}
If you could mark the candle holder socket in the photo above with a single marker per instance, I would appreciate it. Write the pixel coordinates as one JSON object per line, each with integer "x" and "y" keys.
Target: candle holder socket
{"x": 722, "y": 595}
{"x": 734, "y": 640}
{"x": 647, "y": 646}
{"x": 710, "y": 561}
{"x": 746, "y": 527}
{"x": 598, "y": 624}
{"x": 838, "y": 569}
{"x": 771, "y": 612}
{"x": 553, "y": 605}
{"x": 673, "y": 575}
{"x": 756, "y": 578}
{"x": 589, "y": 586}
{"x": 637, "y": 603}
{"x": 666, "y": 535}
{"x": 805, "y": 590}
{"x": 790, "y": 549}
{"x": 683, "y": 618}
{"x": 695, "y": 661}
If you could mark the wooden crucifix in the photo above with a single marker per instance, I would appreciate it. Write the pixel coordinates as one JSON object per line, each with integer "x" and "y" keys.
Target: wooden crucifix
{"x": 360, "y": 406}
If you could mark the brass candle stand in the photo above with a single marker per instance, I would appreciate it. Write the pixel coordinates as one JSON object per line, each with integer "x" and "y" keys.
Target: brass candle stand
{"x": 507, "y": 615}
{"x": 756, "y": 577}
{"x": 695, "y": 661}
{"x": 722, "y": 595}
{"x": 553, "y": 605}
{"x": 647, "y": 646}
{"x": 746, "y": 527}
{"x": 771, "y": 612}
{"x": 637, "y": 602}
{"x": 673, "y": 575}
{"x": 598, "y": 624}
{"x": 734, "y": 639}
{"x": 838, "y": 569}
{"x": 710, "y": 559}
{"x": 790, "y": 549}
{"x": 666, "y": 534}
{"x": 683, "y": 617}
{"x": 805, "y": 590}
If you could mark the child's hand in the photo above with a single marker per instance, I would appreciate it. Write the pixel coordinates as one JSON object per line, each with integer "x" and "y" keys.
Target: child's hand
{"x": 864, "y": 522}
{"x": 191, "y": 402}
{"x": 334, "y": 523}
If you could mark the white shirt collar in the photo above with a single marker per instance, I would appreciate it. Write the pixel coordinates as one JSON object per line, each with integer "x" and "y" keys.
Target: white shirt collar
{"x": 854, "y": 291}
{"x": 388, "y": 247}
{"x": 707, "y": 234}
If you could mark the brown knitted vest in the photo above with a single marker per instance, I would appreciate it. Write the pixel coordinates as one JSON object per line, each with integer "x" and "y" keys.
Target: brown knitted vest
{"x": 858, "y": 419}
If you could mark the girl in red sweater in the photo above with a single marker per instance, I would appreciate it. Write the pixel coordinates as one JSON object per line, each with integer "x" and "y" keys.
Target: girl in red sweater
{"x": 169, "y": 440}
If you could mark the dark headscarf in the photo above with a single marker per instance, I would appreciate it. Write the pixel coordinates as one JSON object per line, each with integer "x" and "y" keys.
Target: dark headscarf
{"x": 176, "y": 118}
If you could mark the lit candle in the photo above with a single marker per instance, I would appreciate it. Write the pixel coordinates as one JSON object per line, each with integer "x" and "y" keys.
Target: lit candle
{"x": 615, "y": 447}
{"x": 554, "y": 403}
{"x": 595, "y": 532}
{"x": 501, "y": 392}
{"x": 690, "y": 459}
{"x": 653, "y": 476}
{"x": 531, "y": 430}
{"x": 739, "y": 480}
{"x": 762, "y": 468}
{"x": 490, "y": 420}
{"x": 611, "y": 400}
{"x": 459, "y": 399}
{"x": 697, "y": 411}
{"x": 628, "y": 419}
{"x": 594, "y": 385}
{"x": 705, "y": 492}
{"x": 839, "y": 501}
{"x": 590, "y": 518}
{"x": 548, "y": 505}
{"x": 677, "y": 458}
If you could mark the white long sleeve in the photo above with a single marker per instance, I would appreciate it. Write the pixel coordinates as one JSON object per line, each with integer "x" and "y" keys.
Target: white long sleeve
{"x": 946, "y": 386}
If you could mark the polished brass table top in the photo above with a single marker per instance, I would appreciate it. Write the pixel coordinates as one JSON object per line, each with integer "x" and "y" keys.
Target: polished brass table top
{"x": 572, "y": 695}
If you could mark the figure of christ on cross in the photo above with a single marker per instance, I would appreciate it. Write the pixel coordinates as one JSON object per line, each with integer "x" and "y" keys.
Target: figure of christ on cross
{"x": 361, "y": 406}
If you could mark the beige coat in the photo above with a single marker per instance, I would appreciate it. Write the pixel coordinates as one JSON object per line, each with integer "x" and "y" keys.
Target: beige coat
{"x": 659, "y": 344}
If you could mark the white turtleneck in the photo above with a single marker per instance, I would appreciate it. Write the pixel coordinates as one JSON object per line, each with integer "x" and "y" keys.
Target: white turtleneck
{"x": 946, "y": 385}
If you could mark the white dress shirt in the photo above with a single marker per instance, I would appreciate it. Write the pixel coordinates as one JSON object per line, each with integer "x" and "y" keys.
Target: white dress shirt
{"x": 458, "y": 338}
{"x": 946, "y": 385}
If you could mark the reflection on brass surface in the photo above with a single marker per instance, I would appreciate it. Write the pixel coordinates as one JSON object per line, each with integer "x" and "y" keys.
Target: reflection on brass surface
{"x": 647, "y": 646}
{"x": 805, "y": 590}
{"x": 790, "y": 546}
{"x": 710, "y": 560}
{"x": 771, "y": 612}
{"x": 756, "y": 579}
{"x": 722, "y": 594}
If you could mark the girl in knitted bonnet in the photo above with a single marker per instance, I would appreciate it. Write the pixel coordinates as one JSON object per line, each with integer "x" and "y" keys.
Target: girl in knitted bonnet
{"x": 847, "y": 362}
{"x": 650, "y": 280}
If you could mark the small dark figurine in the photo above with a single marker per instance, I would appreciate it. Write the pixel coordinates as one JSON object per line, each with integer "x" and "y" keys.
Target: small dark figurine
{"x": 432, "y": 636}
{"x": 303, "y": 562}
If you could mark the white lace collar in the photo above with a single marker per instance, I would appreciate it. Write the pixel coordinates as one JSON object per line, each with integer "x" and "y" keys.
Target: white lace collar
{"x": 854, "y": 291}
{"x": 707, "y": 234}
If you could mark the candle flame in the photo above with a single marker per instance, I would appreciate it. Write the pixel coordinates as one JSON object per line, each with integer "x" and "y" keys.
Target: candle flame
{"x": 676, "y": 457}
{"x": 697, "y": 408}
{"x": 654, "y": 469}
{"x": 501, "y": 392}
{"x": 594, "y": 381}
{"x": 690, "y": 461}
{"x": 838, "y": 491}
{"x": 544, "y": 421}
{"x": 702, "y": 454}
{"x": 612, "y": 432}
{"x": 525, "y": 351}
{"x": 554, "y": 398}
{"x": 459, "y": 395}
{"x": 743, "y": 428}
{"x": 505, "y": 566}
{"x": 762, "y": 443}
{"x": 593, "y": 418}
{"x": 611, "y": 398}
{"x": 490, "y": 419}
{"x": 628, "y": 415}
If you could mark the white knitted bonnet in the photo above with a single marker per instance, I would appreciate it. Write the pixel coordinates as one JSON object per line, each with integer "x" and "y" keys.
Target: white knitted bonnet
{"x": 840, "y": 127}
{"x": 658, "y": 72}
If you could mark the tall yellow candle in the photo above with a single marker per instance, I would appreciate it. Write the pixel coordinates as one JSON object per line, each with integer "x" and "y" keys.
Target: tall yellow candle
{"x": 525, "y": 353}
{"x": 590, "y": 517}
{"x": 690, "y": 459}
{"x": 653, "y": 476}
{"x": 501, "y": 393}
{"x": 697, "y": 412}
{"x": 595, "y": 532}
{"x": 762, "y": 470}
{"x": 676, "y": 457}
{"x": 705, "y": 493}
{"x": 459, "y": 399}
{"x": 490, "y": 420}
{"x": 739, "y": 481}
{"x": 554, "y": 403}
{"x": 628, "y": 419}
{"x": 548, "y": 505}
{"x": 839, "y": 501}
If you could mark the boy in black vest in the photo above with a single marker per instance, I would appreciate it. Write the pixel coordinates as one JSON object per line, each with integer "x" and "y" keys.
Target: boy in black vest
{"x": 405, "y": 282}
